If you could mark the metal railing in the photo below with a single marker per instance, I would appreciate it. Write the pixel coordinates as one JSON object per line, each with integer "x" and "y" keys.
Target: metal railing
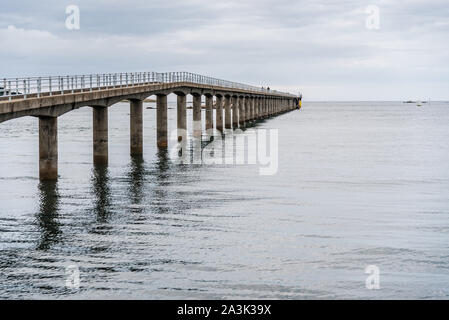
{"x": 23, "y": 88}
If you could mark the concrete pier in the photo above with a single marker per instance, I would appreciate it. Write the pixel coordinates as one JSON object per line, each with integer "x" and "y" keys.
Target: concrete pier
{"x": 182, "y": 116}
{"x": 236, "y": 106}
{"x": 161, "y": 118}
{"x": 228, "y": 120}
{"x": 209, "y": 113}
{"x": 100, "y": 141}
{"x": 136, "y": 127}
{"x": 235, "y": 112}
{"x": 197, "y": 126}
{"x": 48, "y": 148}
{"x": 219, "y": 113}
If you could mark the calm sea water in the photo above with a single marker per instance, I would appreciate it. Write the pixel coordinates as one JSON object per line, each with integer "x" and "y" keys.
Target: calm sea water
{"x": 358, "y": 184}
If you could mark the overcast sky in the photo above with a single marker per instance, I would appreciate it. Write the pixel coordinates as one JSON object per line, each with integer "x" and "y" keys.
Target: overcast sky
{"x": 322, "y": 48}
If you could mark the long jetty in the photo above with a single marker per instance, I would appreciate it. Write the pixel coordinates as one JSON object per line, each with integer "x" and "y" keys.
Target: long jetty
{"x": 47, "y": 98}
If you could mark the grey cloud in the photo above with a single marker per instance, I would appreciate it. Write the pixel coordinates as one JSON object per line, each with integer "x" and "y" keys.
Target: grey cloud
{"x": 282, "y": 43}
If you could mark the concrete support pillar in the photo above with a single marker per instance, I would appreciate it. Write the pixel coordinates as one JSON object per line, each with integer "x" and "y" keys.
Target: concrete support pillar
{"x": 161, "y": 121}
{"x": 235, "y": 112}
{"x": 136, "y": 127}
{"x": 209, "y": 113}
{"x": 228, "y": 120}
{"x": 100, "y": 127}
{"x": 265, "y": 107}
{"x": 242, "y": 111}
{"x": 262, "y": 107}
{"x": 48, "y": 148}
{"x": 253, "y": 108}
{"x": 248, "y": 109}
{"x": 256, "y": 108}
{"x": 219, "y": 114}
{"x": 197, "y": 125}
{"x": 182, "y": 116}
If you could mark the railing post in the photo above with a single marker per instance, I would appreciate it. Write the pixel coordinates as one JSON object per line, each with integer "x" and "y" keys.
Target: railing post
{"x": 4, "y": 87}
{"x": 9, "y": 90}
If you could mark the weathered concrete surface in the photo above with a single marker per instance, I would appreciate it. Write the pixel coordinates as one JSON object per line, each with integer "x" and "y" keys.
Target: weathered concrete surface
{"x": 257, "y": 108}
{"x": 182, "y": 116}
{"x": 235, "y": 112}
{"x": 242, "y": 111}
{"x": 161, "y": 121}
{"x": 252, "y": 102}
{"x": 100, "y": 141}
{"x": 48, "y": 148}
{"x": 228, "y": 120}
{"x": 209, "y": 112}
{"x": 197, "y": 126}
{"x": 136, "y": 127}
{"x": 219, "y": 114}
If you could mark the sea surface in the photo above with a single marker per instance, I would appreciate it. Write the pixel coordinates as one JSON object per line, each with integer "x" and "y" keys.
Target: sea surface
{"x": 357, "y": 184}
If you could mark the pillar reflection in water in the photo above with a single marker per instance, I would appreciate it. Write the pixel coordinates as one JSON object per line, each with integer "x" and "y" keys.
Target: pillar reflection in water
{"x": 102, "y": 192}
{"x": 136, "y": 177}
{"x": 48, "y": 215}
{"x": 160, "y": 197}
